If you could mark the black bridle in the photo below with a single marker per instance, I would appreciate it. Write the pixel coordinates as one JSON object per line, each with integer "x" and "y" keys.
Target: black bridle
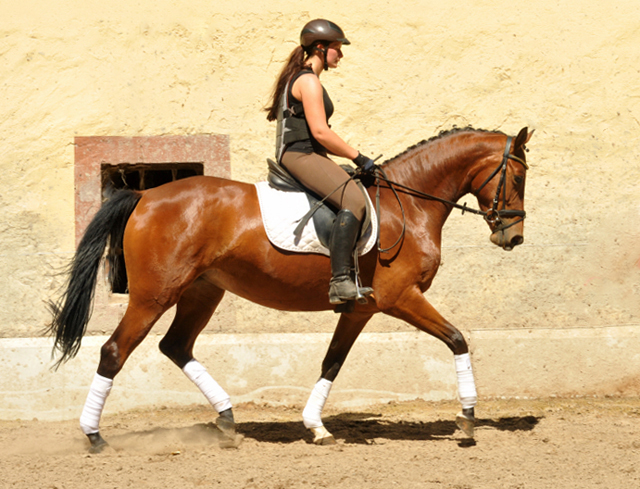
{"x": 493, "y": 215}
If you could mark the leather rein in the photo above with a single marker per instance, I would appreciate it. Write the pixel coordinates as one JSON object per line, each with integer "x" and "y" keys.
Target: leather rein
{"x": 493, "y": 216}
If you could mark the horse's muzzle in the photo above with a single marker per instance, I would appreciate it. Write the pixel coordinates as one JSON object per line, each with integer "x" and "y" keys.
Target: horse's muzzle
{"x": 507, "y": 240}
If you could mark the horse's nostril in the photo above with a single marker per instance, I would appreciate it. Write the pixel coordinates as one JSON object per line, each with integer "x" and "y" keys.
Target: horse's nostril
{"x": 516, "y": 240}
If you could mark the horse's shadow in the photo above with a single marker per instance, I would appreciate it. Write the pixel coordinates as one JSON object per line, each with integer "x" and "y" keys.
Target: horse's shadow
{"x": 350, "y": 428}
{"x": 366, "y": 428}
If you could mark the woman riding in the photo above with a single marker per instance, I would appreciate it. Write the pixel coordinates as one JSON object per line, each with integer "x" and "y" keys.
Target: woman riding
{"x": 304, "y": 138}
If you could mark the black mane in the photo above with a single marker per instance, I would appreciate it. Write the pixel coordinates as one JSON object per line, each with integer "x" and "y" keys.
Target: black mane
{"x": 442, "y": 134}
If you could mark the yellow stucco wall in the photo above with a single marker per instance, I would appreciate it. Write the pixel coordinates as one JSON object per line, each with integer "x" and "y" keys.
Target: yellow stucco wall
{"x": 120, "y": 68}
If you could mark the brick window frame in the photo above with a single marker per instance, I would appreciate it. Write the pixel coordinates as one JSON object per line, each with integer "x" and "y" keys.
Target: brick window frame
{"x": 92, "y": 152}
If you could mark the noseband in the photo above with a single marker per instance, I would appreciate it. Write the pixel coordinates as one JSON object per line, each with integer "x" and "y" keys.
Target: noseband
{"x": 493, "y": 216}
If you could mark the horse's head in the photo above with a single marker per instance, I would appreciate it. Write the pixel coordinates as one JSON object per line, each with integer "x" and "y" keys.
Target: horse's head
{"x": 500, "y": 191}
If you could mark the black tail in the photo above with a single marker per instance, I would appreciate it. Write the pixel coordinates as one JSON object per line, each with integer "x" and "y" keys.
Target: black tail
{"x": 72, "y": 311}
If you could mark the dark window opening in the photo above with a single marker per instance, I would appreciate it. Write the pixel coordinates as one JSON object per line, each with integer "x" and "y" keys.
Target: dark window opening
{"x": 143, "y": 176}
{"x": 139, "y": 176}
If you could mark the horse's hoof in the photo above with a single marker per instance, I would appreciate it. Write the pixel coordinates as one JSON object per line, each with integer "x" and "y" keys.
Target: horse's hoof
{"x": 226, "y": 423}
{"x": 327, "y": 440}
{"x": 97, "y": 443}
{"x": 231, "y": 442}
{"x": 322, "y": 436}
{"x": 465, "y": 420}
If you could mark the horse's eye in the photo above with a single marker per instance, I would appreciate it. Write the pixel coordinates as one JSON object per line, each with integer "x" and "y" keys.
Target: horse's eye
{"x": 518, "y": 179}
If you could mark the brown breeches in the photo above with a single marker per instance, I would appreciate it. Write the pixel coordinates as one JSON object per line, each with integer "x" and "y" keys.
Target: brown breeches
{"x": 322, "y": 176}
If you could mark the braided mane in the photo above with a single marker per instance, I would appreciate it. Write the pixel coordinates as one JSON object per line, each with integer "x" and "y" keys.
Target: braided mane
{"x": 442, "y": 134}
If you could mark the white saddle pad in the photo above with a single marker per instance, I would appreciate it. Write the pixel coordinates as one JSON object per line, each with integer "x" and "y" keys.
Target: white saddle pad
{"x": 282, "y": 212}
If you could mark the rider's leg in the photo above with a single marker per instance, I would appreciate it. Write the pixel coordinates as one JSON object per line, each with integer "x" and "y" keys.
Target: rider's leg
{"x": 344, "y": 235}
{"x": 323, "y": 176}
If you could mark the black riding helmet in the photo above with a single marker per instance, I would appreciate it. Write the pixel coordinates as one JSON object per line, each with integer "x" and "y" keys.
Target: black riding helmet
{"x": 323, "y": 31}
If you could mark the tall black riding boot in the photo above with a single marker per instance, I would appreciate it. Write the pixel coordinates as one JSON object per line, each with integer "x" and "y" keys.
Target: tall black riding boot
{"x": 344, "y": 234}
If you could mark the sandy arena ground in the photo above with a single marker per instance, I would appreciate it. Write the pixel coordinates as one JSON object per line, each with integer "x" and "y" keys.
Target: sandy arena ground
{"x": 557, "y": 443}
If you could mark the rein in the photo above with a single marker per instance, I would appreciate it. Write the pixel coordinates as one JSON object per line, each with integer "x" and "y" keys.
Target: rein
{"x": 493, "y": 216}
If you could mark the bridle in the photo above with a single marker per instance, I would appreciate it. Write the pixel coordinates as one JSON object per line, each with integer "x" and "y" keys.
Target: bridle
{"x": 493, "y": 216}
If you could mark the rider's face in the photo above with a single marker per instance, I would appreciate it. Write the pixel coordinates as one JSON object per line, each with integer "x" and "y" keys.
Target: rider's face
{"x": 334, "y": 54}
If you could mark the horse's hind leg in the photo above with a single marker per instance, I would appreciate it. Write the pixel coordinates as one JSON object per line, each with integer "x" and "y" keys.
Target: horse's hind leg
{"x": 193, "y": 311}
{"x": 348, "y": 329}
{"x": 132, "y": 329}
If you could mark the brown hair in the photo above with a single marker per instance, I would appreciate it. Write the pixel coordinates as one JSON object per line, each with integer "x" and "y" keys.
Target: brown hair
{"x": 295, "y": 63}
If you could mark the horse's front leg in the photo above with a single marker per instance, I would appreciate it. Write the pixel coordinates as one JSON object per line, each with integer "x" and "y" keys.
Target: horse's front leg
{"x": 413, "y": 308}
{"x": 349, "y": 327}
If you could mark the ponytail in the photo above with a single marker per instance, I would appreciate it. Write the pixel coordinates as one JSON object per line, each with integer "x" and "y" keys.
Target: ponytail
{"x": 294, "y": 64}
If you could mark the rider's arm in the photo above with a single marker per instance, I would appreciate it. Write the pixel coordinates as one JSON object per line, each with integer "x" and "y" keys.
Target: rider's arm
{"x": 308, "y": 89}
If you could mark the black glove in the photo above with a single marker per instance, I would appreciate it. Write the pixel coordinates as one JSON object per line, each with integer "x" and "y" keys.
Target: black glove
{"x": 364, "y": 163}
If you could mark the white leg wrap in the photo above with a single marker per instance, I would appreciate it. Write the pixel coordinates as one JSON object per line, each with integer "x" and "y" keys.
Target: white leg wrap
{"x": 466, "y": 384}
{"x": 312, "y": 414}
{"x": 216, "y": 395}
{"x": 98, "y": 392}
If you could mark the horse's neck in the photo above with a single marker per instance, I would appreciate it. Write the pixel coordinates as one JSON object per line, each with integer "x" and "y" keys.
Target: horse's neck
{"x": 441, "y": 168}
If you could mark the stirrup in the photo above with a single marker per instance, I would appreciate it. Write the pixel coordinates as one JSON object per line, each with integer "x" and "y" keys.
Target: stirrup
{"x": 363, "y": 294}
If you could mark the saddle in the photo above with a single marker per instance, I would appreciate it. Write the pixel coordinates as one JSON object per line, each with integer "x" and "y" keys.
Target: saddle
{"x": 323, "y": 214}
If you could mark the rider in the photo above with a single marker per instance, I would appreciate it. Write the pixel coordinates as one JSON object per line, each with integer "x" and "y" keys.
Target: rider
{"x": 302, "y": 108}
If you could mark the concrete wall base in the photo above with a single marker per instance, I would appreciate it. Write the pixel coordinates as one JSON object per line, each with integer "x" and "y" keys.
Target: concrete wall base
{"x": 281, "y": 369}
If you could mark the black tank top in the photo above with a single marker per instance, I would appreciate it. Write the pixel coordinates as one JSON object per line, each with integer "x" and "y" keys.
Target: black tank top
{"x": 310, "y": 145}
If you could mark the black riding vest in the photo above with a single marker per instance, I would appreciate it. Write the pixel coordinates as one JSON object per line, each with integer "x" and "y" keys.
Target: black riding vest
{"x": 293, "y": 133}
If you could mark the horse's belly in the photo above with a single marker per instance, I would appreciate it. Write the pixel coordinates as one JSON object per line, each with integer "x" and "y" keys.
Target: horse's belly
{"x": 286, "y": 287}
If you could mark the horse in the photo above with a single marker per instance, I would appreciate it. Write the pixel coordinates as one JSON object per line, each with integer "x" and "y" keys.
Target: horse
{"x": 187, "y": 242}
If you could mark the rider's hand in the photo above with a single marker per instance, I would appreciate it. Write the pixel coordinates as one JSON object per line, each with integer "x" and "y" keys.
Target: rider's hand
{"x": 364, "y": 163}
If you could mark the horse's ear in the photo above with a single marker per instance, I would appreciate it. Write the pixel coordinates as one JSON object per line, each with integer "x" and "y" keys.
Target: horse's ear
{"x": 523, "y": 137}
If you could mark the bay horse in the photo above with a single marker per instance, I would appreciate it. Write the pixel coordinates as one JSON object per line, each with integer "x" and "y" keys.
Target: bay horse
{"x": 187, "y": 242}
